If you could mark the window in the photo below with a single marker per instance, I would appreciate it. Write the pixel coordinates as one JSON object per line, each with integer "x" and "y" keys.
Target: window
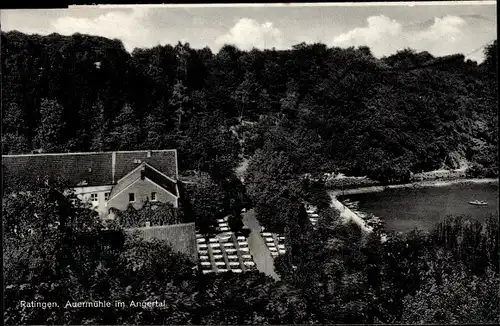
{"x": 94, "y": 197}
{"x": 131, "y": 197}
{"x": 153, "y": 196}
{"x": 106, "y": 196}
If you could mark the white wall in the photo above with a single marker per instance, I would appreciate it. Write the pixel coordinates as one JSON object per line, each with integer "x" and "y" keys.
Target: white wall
{"x": 83, "y": 193}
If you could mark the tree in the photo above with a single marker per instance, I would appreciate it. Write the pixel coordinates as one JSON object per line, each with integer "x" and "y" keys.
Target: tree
{"x": 235, "y": 200}
{"x": 180, "y": 101}
{"x": 13, "y": 119}
{"x": 273, "y": 188}
{"x": 50, "y": 132}
{"x": 314, "y": 109}
{"x": 99, "y": 127}
{"x": 183, "y": 55}
{"x": 269, "y": 174}
{"x": 326, "y": 107}
{"x": 290, "y": 102}
{"x": 61, "y": 252}
{"x": 490, "y": 60}
{"x": 125, "y": 134}
{"x": 206, "y": 200}
{"x": 209, "y": 147}
{"x": 460, "y": 298}
{"x": 473, "y": 243}
{"x": 14, "y": 143}
{"x": 252, "y": 99}
{"x": 47, "y": 238}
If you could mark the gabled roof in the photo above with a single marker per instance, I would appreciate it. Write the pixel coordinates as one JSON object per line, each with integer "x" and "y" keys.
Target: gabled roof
{"x": 161, "y": 180}
{"x": 146, "y": 170}
{"x": 94, "y": 168}
{"x": 181, "y": 237}
{"x": 126, "y": 181}
{"x": 91, "y": 169}
{"x": 164, "y": 160}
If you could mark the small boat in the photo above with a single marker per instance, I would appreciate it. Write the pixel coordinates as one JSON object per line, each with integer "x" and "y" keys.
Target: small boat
{"x": 478, "y": 203}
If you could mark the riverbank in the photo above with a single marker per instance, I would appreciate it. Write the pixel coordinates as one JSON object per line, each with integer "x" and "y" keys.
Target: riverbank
{"x": 423, "y": 208}
{"x": 347, "y": 215}
{"x": 419, "y": 184}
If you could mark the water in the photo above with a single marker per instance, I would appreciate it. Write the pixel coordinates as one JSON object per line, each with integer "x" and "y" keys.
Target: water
{"x": 403, "y": 210}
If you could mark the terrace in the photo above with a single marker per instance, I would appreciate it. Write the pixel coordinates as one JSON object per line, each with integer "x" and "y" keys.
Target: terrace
{"x": 228, "y": 252}
{"x": 275, "y": 243}
{"x": 224, "y": 252}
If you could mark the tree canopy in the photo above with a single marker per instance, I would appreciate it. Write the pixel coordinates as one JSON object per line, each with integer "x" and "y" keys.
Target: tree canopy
{"x": 307, "y": 110}
{"x": 338, "y": 109}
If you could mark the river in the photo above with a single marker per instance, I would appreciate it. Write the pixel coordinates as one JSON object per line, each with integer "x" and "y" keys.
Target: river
{"x": 403, "y": 210}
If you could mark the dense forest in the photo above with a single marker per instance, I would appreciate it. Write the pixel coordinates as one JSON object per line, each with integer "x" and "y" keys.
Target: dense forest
{"x": 335, "y": 109}
{"x": 311, "y": 109}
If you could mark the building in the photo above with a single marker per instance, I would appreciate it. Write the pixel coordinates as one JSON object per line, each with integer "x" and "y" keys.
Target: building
{"x": 180, "y": 237}
{"x": 105, "y": 179}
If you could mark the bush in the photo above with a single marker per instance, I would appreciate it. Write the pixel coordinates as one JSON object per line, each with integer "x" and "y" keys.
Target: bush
{"x": 476, "y": 170}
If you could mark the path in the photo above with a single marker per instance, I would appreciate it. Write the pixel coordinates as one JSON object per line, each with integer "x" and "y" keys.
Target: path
{"x": 261, "y": 254}
{"x": 347, "y": 214}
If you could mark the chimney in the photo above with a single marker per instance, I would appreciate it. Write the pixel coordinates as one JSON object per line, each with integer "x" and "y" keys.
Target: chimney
{"x": 143, "y": 171}
{"x": 148, "y": 224}
{"x": 149, "y": 153}
{"x": 113, "y": 163}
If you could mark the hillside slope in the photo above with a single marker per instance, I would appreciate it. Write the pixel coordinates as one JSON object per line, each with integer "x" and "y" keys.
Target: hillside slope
{"x": 329, "y": 108}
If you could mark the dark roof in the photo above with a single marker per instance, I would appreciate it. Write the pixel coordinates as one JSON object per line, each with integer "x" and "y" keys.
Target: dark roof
{"x": 165, "y": 161}
{"x": 181, "y": 237}
{"x": 125, "y": 182}
{"x": 150, "y": 173}
{"x": 92, "y": 168}
{"x": 160, "y": 180}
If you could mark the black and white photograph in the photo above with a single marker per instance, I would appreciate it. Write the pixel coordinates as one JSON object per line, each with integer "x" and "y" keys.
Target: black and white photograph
{"x": 250, "y": 164}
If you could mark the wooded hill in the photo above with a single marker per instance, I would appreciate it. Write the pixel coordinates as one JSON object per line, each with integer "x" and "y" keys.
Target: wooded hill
{"x": 331, "y": 108}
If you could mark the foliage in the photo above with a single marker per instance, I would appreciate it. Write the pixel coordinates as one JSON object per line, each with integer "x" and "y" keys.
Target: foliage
{"x": 333, "y": 274}
{"x": 126, "y": 131}
{"x": 325, "y": 107}
{"x": 477, "y": 170}
{"x": 209, "y": 147}
{"x": 460, "y": 298}
{"x": 273, "y": 188}
{"x": 473, "y": 243}
{"x": 207, "y": 200}
{"x": 49, "y": 132}
{"x": 491, "y": 56}
{"x": 311, "y": 109}
{"x": 56, "y": 252}
{"x": 154, "y": 213}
